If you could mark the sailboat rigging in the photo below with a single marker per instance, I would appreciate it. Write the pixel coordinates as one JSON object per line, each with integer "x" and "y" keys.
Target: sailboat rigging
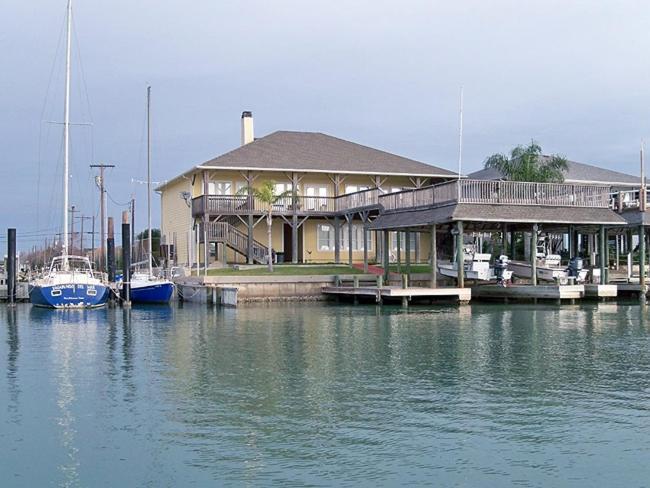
{"x": 70, "y": 282}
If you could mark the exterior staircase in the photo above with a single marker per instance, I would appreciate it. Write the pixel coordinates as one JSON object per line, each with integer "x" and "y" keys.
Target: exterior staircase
{"x": 226, "y": 233}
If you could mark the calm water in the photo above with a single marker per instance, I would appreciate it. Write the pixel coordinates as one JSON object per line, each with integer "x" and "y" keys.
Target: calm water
{"x": 326, "y": 395}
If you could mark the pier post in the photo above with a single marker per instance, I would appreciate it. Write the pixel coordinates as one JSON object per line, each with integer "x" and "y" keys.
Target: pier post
{"x": 407, "y": 251}
{"x": 504, "y": 239}
{"x": 350, "y": 229}
{"x": 642, "y": 256}
{"x": 572, "y": 242}
{"x": 386, "y": 256}
{"x": 460, "y": 257}
{"x": 513, "y": 238}
{"x": 337, "y": 240}
{"x": 602, "y": 238}
{"x": 365, "y": 247}
{"x": 533, "y": 255}
{"x": 126, "y": 260}
{"x": 434, "y": 257}
{"x": 399, "y": 251}
{"x": 11, "y": 267}
{"x": 110, "y": 251}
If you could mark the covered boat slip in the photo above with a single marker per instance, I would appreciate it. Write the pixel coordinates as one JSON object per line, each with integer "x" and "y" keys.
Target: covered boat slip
{"x": 585, "y": 219}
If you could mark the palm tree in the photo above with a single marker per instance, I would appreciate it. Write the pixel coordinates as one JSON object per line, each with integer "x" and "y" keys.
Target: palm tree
{"x": 267, "y": 195}
{"x": 527, "y": 163}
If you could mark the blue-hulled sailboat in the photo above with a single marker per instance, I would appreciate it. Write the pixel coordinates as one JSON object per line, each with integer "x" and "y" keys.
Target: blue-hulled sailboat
{"x": 145, "y": 287}
{"x": 70, "y": 282}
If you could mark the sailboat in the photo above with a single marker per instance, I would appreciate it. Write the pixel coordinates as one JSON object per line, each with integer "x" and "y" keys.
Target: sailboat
{"x": 70, "y": 282}
{"x": 145, "y": 287}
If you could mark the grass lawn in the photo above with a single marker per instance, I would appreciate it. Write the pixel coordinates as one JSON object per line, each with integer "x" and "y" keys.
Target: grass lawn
{"x": 286, "y": 270}
{"x": 415, "y": 268}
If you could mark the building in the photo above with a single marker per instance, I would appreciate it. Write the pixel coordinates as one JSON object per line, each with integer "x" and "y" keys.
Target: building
{"x": 577, "y": 174}
{"x": 333, "y": 188}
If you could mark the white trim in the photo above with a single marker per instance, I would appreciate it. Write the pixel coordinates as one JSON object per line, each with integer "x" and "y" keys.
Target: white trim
{"x": 294, "y": 170}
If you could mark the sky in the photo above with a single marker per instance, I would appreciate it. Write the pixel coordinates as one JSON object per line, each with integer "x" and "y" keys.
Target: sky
{"x": 573, "y": 75}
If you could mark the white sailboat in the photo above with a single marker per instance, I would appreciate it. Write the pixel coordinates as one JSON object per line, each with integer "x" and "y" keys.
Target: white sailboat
{"x": 145, "y": 287}
{"x": 70, "y": 282}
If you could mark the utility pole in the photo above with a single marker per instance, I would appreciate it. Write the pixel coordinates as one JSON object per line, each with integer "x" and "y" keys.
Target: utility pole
{"x": 81, "y": 244}
{"x": 72, "y": 217}
{"x": 102, "y": 209}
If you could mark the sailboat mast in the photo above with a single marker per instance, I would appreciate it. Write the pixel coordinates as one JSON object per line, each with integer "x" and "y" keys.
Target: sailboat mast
{"x": 150, "y": 246}
{"x": 66, "y": 129}
{"x": 460, "y": 134}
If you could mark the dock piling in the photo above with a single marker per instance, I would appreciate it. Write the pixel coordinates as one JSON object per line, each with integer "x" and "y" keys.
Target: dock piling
{"x": 11, "y": 267}
{"x": 126, "y": 260}
{"x": 110, "y": 251}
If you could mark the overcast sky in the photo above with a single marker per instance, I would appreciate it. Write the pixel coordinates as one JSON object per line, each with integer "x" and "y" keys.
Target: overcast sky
{"x": 573, "y": 75}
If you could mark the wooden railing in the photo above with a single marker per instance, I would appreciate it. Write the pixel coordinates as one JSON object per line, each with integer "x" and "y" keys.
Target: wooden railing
{"x": 435, "y": 195}
{"x": 456, "y": 191}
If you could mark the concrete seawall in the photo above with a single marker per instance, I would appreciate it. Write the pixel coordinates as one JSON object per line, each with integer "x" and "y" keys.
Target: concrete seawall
{"x": 261, "y": 288}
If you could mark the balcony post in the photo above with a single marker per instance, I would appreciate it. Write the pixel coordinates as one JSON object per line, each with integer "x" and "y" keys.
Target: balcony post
{"x": 386, "y": 256}
{"x": 603, "y": 254}
{"x": 399, "y": 251}
{"x": 407, "y": 251}
{"x": 249, "y": 223}
{"x": 533, "y": 255}
{"x": 460, "y": 256}
{"x": 294, "y": 219}
{"x": 337, "y": 239}
{"x": 642, "y": 258}
{"x": 434, "y": 257}
{"x": 365, "y": 248}
{"x": 350, "y": 219}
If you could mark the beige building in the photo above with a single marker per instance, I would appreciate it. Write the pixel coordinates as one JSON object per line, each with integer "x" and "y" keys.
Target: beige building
{"x": 333, "y": 188}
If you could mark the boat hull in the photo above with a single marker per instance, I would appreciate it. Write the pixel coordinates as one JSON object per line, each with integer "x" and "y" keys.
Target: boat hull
{"x": 152, "y": 292}
{"x": 64, "y": 296}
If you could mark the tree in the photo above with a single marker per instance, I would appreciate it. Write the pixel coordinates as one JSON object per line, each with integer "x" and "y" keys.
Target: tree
{"x": 527, "y": 163}
{"x": 267, "y": 195}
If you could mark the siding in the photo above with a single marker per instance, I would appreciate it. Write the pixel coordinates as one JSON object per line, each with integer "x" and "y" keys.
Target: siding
{"x": 176, "y": 218}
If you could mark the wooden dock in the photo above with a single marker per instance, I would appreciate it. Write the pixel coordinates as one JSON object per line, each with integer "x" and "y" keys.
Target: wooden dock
{"x": 462, "y": 295}
{"x": 529, "y": 292}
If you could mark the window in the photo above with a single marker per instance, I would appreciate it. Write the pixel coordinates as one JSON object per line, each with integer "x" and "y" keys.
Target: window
{"x": 313, "y": 203}
{"x": 402, "y": 241}
{"x": 355, "y": 188}
{"x": 357, "y": 238}
{"x": 220, "y": 188}
{"x": 240, "y": 187}
{"x": 325, "y": 237}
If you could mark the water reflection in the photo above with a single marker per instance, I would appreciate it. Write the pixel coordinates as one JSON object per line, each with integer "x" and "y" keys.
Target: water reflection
{"x": 311, "y": 394}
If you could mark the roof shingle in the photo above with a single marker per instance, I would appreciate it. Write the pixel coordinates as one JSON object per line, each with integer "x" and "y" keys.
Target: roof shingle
{"x": 314, "y": 151}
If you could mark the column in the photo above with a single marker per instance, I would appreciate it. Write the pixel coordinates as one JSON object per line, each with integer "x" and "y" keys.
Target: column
{"x": 407, "y": 252}
{"x": 533, "y": 256}
{"x": 460, "y": 255}
{"x": 337, "y": 240}
{"x": 642, "y": 255}
{"x": 602, "y": 240}
{"x": 434, "y": 257}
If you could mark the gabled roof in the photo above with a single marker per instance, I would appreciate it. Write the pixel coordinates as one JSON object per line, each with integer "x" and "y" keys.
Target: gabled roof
{"x": 577, "y": 173}
{"x": 314, "y": 151}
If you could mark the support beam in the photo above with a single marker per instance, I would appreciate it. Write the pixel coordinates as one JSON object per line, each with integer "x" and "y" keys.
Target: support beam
{"x": 337, "y": 240}
{"x": 407, "y": 251}
{"x": 399, "y": 252}
{"x": 350, "y": 240}
{"x": 642, "y": 255}
{"x": 460, "y": 259}
{"x": 572, "y": 242}
{"x": 365, "y": 247}
{"x": 434, "y": 257}
{"x": 533, "y": 255}
{"x": 386, "y": 257}
{"x": 504, "y": 239}
{"x": 602, "y": 241}
{"x": 513, "y": 239}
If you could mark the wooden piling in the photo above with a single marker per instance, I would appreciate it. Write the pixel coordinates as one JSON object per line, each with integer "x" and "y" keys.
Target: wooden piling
{"x": 434, "y": 257}
{"x": 110, "y": 251}
{"x": 460, "y": 256}
{"x": 533, "y": 255}
{"x": 11, "y": 267}
{"x": 126, "y": 260}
